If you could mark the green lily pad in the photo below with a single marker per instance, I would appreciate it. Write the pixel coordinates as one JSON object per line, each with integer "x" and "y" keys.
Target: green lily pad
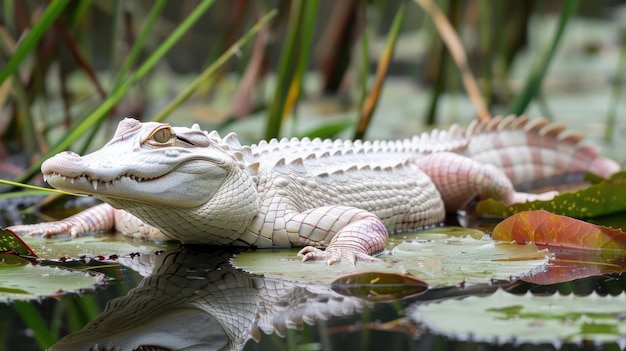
{"x": 21, "y": 280}
{"x": 100, "y": 245}
{"x": 601, "y": 198}
{"x": 455, "y": 261}
{"x": 504, "y": 317}
{"x": 443, "y": 259}
{"x": 28, "y": 282}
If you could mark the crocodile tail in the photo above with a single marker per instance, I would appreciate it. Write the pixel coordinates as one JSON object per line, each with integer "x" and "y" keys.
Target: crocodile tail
{"x": 530, "y": 151}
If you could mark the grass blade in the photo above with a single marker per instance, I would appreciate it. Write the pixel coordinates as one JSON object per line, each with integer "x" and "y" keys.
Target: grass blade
{"x": 485, "y": 33}
{"x": 8, "y": 8}
{"x": 620, "y": 75}
{"x": 29, "y": 134}
{"x": 365, "y": 60}
{"x": 135, "y": 50}
{"x": 309, "y": 12}
{"x": 209, "y": 71}
{"x": 285, "y": 71}
{"x": 82, "y": 127}
{"x": 369, "y": 104}
{"x": 171, "y": 40}
{"x": 54, "y": 10}
{"x": 532, "y": 86}
{"x": 38, "y": 188}
{"x": 453, "y": 43}
{"x": 132, "y": 57}
{"x": 34, "y": 321}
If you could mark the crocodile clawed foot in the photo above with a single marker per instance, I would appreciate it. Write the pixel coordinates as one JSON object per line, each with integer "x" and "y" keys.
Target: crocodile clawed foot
{"x": 333, "y": 255}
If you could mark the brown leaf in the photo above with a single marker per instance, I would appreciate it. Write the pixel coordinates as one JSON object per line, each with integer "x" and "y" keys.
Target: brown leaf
{"x": 379, "y": 286}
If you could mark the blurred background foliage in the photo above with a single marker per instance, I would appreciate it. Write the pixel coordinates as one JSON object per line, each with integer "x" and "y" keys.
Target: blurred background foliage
{"x": 70, "y": 70}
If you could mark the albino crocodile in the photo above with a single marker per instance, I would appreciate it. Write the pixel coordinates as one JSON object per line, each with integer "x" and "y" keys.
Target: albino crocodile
{"x": 200, "y": 188}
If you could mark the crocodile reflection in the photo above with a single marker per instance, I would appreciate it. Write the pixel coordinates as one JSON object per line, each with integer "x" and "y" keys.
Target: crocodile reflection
{"x": 197, "y": 300}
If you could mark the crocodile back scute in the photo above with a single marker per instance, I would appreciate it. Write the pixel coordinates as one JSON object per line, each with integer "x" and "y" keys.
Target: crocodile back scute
{"x": 532, "y": 150}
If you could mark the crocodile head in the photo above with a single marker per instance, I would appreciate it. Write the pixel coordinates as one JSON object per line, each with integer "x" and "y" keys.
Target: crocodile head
{"x": 180, "y": 180}
{"x": 151, "y": 163}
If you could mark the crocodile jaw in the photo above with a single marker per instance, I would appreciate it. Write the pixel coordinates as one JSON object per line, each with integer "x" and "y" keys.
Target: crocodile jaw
{"x": 145, "y": 163}
{"x": 189, "y": 184}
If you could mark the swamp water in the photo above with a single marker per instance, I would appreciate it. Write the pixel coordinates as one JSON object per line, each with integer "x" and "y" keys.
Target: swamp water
{"x": 160, "y": 295}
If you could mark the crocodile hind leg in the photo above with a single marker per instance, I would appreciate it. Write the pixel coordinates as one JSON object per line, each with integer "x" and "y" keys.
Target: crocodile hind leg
{"x": 460, "y": 179}
{"x": 350, "y": 233}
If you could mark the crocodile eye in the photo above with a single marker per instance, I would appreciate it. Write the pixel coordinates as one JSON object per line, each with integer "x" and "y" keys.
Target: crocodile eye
{"x": 161, "y": 136}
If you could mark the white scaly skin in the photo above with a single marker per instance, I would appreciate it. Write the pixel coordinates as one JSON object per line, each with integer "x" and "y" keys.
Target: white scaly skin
{"x": 200, "y": 188}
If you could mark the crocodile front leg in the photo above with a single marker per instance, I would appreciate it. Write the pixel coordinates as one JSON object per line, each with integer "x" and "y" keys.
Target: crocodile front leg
{"x": 349, "y": 232}
{"x": 100, "y": 218}
{"x": 97, "y": 219}
{"x": 460, "y": 179}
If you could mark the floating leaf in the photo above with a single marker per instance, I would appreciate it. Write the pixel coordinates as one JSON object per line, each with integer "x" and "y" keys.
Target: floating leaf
{"x": 551, "y": 230}
{"x": 378, "y": 286}
{"x": 595, "y": 200}
{"x": 504, "y": 317}
{"x": 93, "y": 246}
{"x": 368, "y": 106}
{"x": 454, "y": 261}
{"x": 440, "y": 258}
{"x": 33, "y": 281}
{"x": 579, "y": 249}
{"x": 12, "y": 247}
{"x": 30, "y": 281}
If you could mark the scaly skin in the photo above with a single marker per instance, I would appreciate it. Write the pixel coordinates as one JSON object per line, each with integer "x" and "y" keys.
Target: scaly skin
{"x": 197, "y": 187}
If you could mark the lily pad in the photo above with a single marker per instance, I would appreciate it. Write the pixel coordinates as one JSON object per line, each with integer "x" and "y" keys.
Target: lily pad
{"x": 28, "y": 282}
{"x": 504, "y": 317}
{"x": 602, "y": 198}
{"x": 20, "y": 279}
{"x": 11, "y": 243}
{"x": 552, "y": 230}
{"x": 379, "y": 287}
{"x": 468, "y": 260}
{"x": 441, "y": 260}
{"x": 99, "y": 245}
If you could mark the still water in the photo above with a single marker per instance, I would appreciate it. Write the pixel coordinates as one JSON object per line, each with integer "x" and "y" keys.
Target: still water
{"x": 194, "y": 300}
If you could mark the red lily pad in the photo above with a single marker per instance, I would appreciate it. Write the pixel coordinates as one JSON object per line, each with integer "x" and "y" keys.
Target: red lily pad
{"x": 13, "y": 250}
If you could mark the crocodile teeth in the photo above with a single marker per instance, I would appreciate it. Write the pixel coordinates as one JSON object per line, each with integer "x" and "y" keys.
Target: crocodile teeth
{"x": 94, "y": 183}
